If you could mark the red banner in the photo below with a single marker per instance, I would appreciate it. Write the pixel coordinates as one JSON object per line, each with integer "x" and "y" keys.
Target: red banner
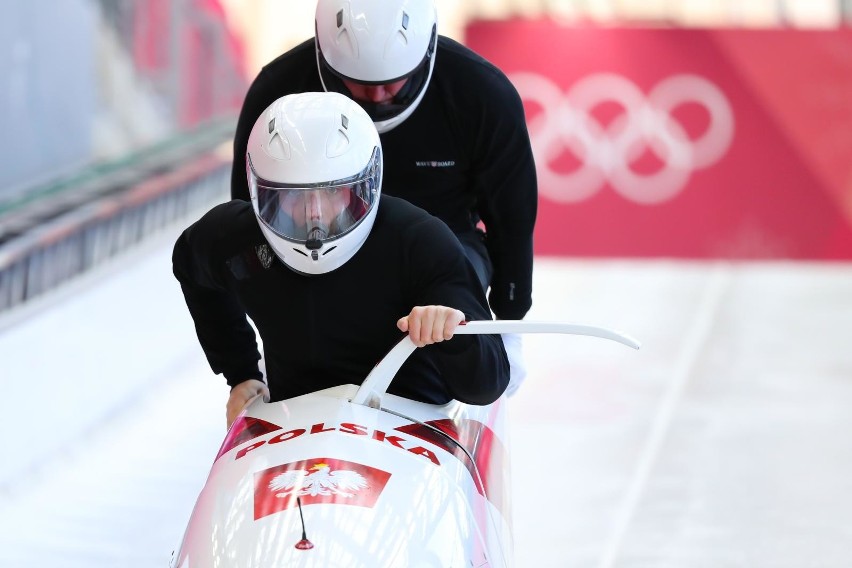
{"x": 684, "y": 143}
{"x": 207, "y": 60}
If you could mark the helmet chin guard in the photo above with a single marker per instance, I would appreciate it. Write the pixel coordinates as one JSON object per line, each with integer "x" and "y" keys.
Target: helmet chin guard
{"x": 314, "y": 168}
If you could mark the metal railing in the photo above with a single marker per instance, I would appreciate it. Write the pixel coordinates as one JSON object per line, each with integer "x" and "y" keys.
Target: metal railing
{"x": 182, "y": 49}
{"x": 71, "y": 225}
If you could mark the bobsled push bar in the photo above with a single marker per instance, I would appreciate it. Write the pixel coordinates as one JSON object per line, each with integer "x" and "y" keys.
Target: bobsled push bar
{"x": 377, "y": 382}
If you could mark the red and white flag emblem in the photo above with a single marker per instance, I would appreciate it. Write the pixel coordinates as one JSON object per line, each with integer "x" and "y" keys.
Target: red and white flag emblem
{"x": 318, "y": 480}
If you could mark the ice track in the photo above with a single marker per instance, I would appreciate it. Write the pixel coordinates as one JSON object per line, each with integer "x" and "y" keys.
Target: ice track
{"x": 726, "y": 441}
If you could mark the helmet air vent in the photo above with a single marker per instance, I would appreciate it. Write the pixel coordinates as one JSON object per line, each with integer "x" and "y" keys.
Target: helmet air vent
{"x": 404, "y": 21}
{"x": 279, "y": 147}
{"x": 338, "y": 142}
{"x": 344, "y": 122}
{"x": 340, "y": 18}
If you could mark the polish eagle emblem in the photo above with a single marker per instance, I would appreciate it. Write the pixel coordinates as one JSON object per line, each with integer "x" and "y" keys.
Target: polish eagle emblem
{"x": 319, "y": 480}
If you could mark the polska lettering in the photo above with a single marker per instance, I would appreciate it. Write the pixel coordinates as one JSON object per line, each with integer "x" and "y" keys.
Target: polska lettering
{"x": 346, "y": 428}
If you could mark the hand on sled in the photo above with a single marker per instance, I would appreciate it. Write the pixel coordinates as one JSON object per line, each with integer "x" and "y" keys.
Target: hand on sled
{"x": 430, "y": 324}
{"x": 242, "y": 395}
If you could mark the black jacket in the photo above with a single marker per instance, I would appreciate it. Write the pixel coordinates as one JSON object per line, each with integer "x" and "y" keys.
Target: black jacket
{"x": 331, "y": 329}
{"x": 464, "y": 155}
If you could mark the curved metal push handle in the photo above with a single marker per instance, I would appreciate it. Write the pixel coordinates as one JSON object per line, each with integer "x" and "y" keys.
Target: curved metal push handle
{"x": 377, "y": 382}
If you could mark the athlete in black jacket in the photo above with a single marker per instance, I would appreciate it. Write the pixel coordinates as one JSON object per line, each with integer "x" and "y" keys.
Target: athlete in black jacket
{"x": 461, "y": 152}
{"x": 329, "y": 272}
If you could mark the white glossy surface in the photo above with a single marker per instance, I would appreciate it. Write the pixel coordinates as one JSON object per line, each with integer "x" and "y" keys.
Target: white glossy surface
{"x": 427, "y": 512}
{"x": 726, "y": 441}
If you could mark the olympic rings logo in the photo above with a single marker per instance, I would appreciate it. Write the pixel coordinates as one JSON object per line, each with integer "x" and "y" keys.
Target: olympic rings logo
{"x": 606, "y": 153}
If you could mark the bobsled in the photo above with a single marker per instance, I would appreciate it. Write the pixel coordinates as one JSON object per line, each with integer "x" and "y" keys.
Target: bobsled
{"x": 351, "y": 477}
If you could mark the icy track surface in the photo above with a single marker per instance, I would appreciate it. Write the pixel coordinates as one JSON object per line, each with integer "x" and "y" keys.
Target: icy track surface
{"x": 726, "y": 441}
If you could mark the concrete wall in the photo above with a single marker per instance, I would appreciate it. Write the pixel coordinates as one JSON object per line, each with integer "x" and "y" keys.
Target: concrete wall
{"x": 48, "y": 91}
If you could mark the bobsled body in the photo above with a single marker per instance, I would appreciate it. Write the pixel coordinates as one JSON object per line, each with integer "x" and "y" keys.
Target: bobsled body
{"x": 354, "y": 477}
{"x": 408, "y": 485}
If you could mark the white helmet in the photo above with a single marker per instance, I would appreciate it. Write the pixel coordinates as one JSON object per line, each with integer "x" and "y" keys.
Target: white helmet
{"x": 376, "y": 42}
{"x": 314, "y": 166}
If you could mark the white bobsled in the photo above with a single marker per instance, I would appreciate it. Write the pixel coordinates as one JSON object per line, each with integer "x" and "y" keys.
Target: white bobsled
{"x": 354, "y": 477}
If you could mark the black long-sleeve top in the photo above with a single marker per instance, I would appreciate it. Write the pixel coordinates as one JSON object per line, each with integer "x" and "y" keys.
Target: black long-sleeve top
{"x": 463, "y": 155}
{"x": 331, "y": 329}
